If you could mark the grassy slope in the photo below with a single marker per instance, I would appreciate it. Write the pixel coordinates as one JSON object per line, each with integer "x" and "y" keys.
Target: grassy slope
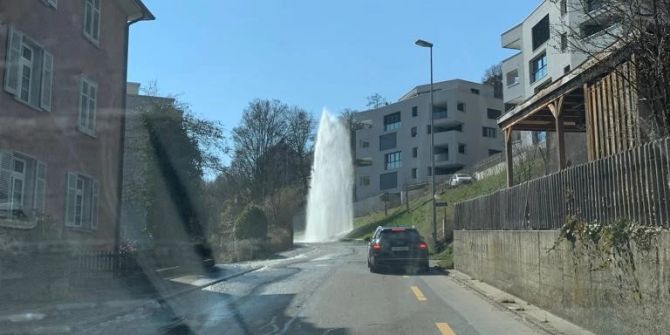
{"x": 419, "y": 214}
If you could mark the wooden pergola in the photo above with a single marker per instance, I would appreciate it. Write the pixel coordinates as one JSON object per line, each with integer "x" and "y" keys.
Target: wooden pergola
{"x": 576, "y": 102}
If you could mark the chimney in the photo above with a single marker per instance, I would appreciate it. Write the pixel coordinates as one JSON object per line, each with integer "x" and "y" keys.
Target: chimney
{"x": 132, "y": 88}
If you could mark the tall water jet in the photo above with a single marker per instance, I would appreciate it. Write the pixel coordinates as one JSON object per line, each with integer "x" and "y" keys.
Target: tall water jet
{"x": 330, "y": 201}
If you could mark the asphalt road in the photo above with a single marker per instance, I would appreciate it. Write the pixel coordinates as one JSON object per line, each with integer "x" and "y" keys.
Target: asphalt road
{"x": 326, "y": 289}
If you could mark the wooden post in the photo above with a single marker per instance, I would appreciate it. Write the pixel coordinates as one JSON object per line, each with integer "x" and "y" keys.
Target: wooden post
{"x": 509, "y": 157}
{"x": 590, "y": 137}
{"x": 556, "y": 108}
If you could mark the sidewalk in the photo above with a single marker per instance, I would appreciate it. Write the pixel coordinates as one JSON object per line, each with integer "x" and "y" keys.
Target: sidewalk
{"x": 64, "y": 317}
{"x": 536, "y": 316}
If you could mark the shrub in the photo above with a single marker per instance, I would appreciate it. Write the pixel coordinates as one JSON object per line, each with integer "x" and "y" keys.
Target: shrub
{"x": 251, "y": 223}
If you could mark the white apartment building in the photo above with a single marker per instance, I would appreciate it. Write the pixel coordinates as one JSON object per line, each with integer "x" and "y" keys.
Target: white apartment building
{"x": 393, "y": 150}
{"x": 545, "y": 42}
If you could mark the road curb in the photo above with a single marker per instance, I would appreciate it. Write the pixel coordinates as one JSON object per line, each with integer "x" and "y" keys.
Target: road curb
{"x": 534, "y": 322}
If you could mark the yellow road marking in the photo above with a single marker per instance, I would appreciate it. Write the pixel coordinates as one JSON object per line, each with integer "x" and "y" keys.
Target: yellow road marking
{"x": 419, "y": 295}
{"x": 444, "y": 328}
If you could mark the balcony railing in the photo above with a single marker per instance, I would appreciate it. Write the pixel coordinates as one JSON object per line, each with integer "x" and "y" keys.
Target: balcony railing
{"x": 441, "y": 157}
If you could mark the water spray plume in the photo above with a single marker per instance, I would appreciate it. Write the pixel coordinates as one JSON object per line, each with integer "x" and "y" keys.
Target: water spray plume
{"x": 330, "y": 200}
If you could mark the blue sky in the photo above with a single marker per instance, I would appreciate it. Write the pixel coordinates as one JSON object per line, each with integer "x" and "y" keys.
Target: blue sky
{"x": 219, "y": 55}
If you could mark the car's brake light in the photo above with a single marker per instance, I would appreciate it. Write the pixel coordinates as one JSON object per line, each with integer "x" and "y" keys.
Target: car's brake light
{"x": 398, "y": 229}
{"x": 423, "y": 245}
{"x": 377, "y": 246}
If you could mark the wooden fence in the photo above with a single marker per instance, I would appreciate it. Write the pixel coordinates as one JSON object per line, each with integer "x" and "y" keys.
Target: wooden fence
{"x": 633, "y": 184}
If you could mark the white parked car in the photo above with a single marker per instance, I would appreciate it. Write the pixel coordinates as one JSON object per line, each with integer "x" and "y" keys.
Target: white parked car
{"x": 459, "y": 179}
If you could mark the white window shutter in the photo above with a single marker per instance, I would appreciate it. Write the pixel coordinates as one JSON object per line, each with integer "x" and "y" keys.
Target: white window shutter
{"x": 14, "y": 41}
{"x": 83, "y": 104}
{"x": 70, "y": 191}
{"x": 40, "y": 187}
{"x": 94, "y": 205}
{"x": 6, "y": 159}
{"x": 47, "y": 81}
{"x": 93, "y": 105}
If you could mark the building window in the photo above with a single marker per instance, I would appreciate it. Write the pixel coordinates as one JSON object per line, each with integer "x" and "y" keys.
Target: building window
{"x": 512, "y": 78}
{"x": 92, "y": 21}
{"x": 392, "y": 161}
{"x": 428, "y": 129}
{"x": 564, "y": 7}
{"x": 365, "y": 144}
{"x": 413, "y": 131}
{"x": 564, "y": 42}
{"x": 364, "y": 162}
{"x": 22, "y": 186}
{"x": 388, "y": 141}
{"x": 593, "y": 27}
{"x": 364, "y": 181}
{"x": 540, "y": 32}
{"x": 474, "y": 91}
{"x": 429, "y": 171}
{"x": 414, "y": 173}
{"x": 415, "y": 111}
{"x": 29, "y": 71}
{"x": 493, "y": 114}
{"x": 81, "y": 202}
{"x": 489, "y": 132}
{"x": 440, "y": 112}
{"x": 538, "y": 67}
{"x": 51, "y": 3}
{"x": 87, "y": 106}
{"x": 392, "y": 121}
{"x": 566, "y": 69}
{"x": 388, "y": 181}
{"x": 415, "y": 152}
{"x": 494, "y": 152}
{"x": 460, "y": 107}
{"x": 461, "y": 148}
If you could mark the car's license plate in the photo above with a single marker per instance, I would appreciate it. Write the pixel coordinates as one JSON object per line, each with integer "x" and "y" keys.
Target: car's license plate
{"x": 400, "y": 248}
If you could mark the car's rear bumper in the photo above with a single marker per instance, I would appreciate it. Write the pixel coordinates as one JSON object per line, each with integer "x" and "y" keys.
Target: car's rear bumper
{"x": 401, "y": 261}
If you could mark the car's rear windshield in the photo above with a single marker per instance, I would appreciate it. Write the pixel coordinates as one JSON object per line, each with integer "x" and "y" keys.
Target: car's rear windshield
{"x": 406, "y": 235}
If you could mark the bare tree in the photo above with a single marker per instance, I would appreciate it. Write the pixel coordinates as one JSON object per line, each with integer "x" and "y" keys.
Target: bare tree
{"x": 493, "y": 76}
{"x": 376, "y": 101}
{"x": 263, "y": 127}
{"x": 300, "y": 139}
{"x": 633, "y": 30}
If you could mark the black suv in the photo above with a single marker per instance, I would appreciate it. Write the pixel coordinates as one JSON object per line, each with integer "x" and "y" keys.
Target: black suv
{"x": 397, "y": 246}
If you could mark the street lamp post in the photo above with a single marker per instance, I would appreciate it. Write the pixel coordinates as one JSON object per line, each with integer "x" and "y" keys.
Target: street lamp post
{"x": 429, "y": 45}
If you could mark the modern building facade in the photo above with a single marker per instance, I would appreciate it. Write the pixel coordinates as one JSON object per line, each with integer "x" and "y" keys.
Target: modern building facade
{"x": 548, "y": 82}
{"x": 393, "y": 146}
{"x": 547, "y": 49}
{"x": 62, "y": 108}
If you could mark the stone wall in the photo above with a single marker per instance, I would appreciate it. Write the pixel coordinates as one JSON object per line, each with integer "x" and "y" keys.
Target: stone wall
{"x": 571, "y": 282}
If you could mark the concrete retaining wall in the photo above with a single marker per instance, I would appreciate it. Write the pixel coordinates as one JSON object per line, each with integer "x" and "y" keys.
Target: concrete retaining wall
{"x": 566, "y": 281}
